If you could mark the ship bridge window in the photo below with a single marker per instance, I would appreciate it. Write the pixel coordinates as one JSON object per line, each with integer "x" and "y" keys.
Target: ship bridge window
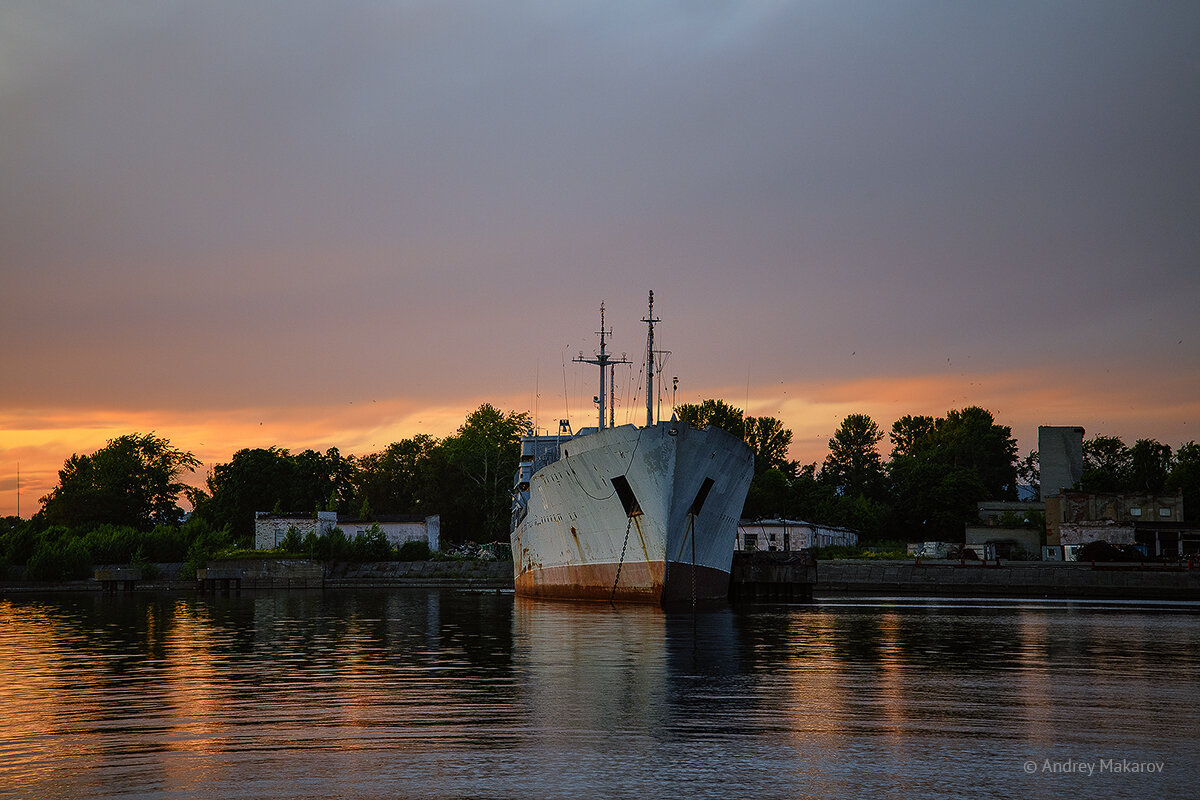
{"x": 701, "y": 496}
{"x": 625, "y": 493}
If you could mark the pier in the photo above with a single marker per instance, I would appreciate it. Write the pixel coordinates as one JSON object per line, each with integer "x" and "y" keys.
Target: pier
{"x": 785, "y": 577}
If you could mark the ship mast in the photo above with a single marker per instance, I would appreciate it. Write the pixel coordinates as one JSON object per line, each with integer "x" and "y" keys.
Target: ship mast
{"x": 650, "y": 320}
{"x": 602, "y": 360}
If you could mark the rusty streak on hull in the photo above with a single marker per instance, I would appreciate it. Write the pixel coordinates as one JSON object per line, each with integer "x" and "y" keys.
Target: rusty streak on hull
{"x": 639, "y": 582}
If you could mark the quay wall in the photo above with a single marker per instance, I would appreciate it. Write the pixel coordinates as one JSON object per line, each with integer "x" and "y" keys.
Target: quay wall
{"x": 1009, "y": 579}
{"x": 751, "y": 581}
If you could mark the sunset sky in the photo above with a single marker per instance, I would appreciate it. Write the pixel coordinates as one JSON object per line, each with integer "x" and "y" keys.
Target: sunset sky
{"x": 338, "y": 224}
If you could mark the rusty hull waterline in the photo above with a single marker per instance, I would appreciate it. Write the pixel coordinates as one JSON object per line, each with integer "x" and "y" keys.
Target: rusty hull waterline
{"x": 640, "y": 582}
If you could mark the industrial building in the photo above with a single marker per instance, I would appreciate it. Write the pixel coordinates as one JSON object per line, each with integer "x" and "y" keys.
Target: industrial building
{"x": 270, "y": 529}
{"x": 788, "y": 535}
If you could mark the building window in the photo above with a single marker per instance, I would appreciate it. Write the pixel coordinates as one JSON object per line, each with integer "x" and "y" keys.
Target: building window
{"x": 750, "y": 542}
{"x": 1135, "y": 512}
{"x": 1164, "y": 512}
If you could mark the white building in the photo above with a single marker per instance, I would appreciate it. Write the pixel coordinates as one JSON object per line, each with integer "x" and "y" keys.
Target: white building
{"x": 269, "y": 529}
{"x": 785, "y": 535}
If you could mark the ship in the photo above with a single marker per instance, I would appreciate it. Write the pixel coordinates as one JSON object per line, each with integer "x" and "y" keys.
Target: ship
{"x": 628, "y": 513}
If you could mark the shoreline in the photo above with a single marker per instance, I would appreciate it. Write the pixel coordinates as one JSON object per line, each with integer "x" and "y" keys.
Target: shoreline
{"x": 842, "y": 578}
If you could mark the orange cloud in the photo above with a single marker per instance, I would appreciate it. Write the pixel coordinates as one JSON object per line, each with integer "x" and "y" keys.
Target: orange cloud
{"x": 1132, "y": 407}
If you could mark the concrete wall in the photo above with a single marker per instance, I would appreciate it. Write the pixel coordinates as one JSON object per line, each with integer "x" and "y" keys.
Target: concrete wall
{"x": 398, "y": 533}
{"x": 1013, "y": 579}
{"x": 286, "y": 573}
{"x": 1027, "y": 539}
{"x": 1071, "y": 533}
{"x": 270, "y": 529}
{"x": 1060, "y": 455}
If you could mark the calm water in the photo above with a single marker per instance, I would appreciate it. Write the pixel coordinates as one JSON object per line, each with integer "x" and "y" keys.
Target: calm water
{"x": 454, "y": 694}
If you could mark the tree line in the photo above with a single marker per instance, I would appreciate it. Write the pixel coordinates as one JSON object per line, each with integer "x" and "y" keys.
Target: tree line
{"x": 121, "y": 504}
{"x": 937, "y": 471}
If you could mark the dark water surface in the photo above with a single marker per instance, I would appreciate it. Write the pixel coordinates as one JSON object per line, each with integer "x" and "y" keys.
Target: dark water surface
{"x": 441, "y": 694}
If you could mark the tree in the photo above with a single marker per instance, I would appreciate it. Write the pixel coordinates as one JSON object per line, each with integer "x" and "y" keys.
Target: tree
{"x": 478, "y": 464}
{"x": 1029, "y": 472}
{"x": 970, "y": 439}
{"x": 770, "y": 495}
{"x": 1149, "y": 466}
{"x": 1185, "y": 477}
{"x": 910, "y": 433}
{"x": 715, "y": 413}
{"x": 941, "y": 469}
{"x": 395, "y": 480}
{"x": 254, "y": 480}
{"x": 133, "y": 480}
{"x": 1106, "y": 465}
{"x": 854, "y": 466}
{"x": 272, "y": 478}
{"x": 770, "y": 441}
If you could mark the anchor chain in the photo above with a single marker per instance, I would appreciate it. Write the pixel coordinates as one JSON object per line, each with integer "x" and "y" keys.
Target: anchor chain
{"x": 621, "y": 563}
{"x": 692, "y": 534}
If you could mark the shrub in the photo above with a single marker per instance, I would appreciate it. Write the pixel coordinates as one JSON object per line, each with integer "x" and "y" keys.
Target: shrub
{"x": 149, "y": 569}
{"x": 292, "y": 541}
{"x": 415, "y": 551}
{"x": 55, "y": 561}
{"x": 371, "y": 545}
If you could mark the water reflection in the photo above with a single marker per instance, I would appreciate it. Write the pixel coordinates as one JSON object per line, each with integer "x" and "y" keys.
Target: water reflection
{"x": 451, "y": 694}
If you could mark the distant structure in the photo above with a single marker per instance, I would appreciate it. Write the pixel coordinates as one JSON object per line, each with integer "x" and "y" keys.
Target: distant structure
{"x": 788, "y": 535}
{"x": 269, "y": 529}
{"x": 1006, "y": 529}
{"x": 1152, "y": 522}
{"x": 1060, "y": 454}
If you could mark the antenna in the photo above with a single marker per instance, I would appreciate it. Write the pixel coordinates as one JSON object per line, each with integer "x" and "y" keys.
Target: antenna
{"x": 602, "y": 360}
{"x": 650, "y": 320}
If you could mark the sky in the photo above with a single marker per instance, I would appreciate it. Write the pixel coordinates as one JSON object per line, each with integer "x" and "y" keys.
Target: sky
{"x": 318, "y": 224}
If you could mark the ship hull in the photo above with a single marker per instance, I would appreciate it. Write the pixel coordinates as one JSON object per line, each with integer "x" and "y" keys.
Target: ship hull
{"x": 634, "y": 514}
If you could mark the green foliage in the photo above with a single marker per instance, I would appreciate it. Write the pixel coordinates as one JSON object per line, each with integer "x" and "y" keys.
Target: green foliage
{"x": 474, "y": 470}
{"x": 881, "y": 550}
{"x": 766, "y": 436}
{"x": 258, "y": 479}
{"x": 941, "y": 469}
{"x": 18, "y": 539}
{"x": 149, "y": 569}
{"x": 869, "y": 517}
{"x": 133, "y": 480}
{"x": 770, "y": 442}
{"x": 770, "y": 496}
{"x": 715, "y": 413}
{"x": 1185, "y": 477}
{"x": 292, "y": 542}
{"x": 414, "y": 551}
{"x": 1149, "y": 466}
{"x": 397, "y": 480}
{"x": 370, "y": 545}
{"x": 62, "y": 560}
{"x": 854, "y": 466}
{"x": 910, "y": 434}
{"x": 1029, "y": 471}
{"x": 1107, "y": 465}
